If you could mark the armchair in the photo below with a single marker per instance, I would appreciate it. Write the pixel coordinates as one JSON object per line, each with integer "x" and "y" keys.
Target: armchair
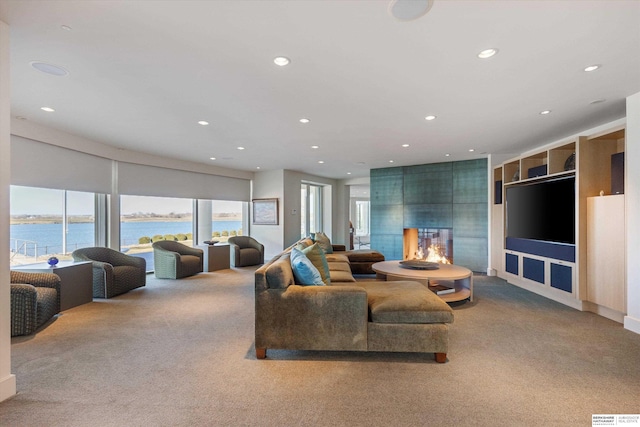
{"x": 114, "y": 273}
{"x": 173, "y": 260}
{"x": 245, "y": 251}
{"x": 35, "y": 298}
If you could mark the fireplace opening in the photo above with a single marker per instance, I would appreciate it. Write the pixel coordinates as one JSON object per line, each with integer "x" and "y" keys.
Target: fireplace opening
{"x": 429, "y": 244}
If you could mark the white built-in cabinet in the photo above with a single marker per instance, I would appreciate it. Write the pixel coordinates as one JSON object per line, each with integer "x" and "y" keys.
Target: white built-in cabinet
{"x": 606, "y": 266}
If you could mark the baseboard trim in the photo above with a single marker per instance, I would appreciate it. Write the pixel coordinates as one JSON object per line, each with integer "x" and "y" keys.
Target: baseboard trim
{"x": 632, "y": 324}
{"x": 609, "y": 313}
{"x": 545, "y": 291}
{"x": 7, "y": 387}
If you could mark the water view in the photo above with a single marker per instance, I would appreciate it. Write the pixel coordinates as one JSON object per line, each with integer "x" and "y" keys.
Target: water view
{"x": 47, "y": 237}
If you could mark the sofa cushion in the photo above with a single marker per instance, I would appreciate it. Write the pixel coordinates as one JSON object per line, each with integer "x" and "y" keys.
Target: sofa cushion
{"x": 339, "y": 266}
{"x": 336, "y": 258}
{"x": 405, "y": 302}
{"x": 305, "y": 242}
{"x": 364, "y": 255}
{"x": 279, "y": 274}
{"x": 324, "y": 242}
{"x": 303, "y": 270}
{"x": 319, "y": 261}
{"x": 341, "y": 276}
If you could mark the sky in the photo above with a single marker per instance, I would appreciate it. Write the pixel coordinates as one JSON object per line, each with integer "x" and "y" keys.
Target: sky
{"x": 43, "y": 201}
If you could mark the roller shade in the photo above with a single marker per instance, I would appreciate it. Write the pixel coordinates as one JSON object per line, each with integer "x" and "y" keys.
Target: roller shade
{"x": 36, "y": 164}
{"x": 142, "y": 180}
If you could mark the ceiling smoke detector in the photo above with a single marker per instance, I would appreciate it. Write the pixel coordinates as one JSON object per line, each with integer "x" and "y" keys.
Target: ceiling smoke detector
{"x": 409, "y": 10}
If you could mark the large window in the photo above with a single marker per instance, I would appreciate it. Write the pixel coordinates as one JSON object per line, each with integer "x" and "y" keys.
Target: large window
{"x": 46, "y": 222}
{"x": 362, "y": 218}
{"x": 310, "y": 209}
{"x": 227, "y": 219}
{"x": 145, "y": 219}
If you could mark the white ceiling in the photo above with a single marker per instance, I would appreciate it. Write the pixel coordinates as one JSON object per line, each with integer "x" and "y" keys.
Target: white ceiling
{"x": 142, "y": 73}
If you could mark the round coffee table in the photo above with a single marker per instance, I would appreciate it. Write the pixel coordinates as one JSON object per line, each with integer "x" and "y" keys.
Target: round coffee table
{"x": 447, "y": 275}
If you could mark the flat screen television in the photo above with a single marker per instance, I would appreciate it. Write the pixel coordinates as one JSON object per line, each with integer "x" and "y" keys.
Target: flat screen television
{"x": 543, "y": 210}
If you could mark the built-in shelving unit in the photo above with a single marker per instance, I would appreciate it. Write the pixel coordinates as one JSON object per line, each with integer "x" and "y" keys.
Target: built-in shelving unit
{"x": 556, "y": 270}
{"x": 497, "y": 186}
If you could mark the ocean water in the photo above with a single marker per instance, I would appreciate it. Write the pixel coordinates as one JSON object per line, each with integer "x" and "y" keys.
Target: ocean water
{"x": 49, "y": 236}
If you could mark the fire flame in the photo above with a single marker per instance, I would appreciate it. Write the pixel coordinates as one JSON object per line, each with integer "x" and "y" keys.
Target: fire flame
{"x": 434, "y": 254}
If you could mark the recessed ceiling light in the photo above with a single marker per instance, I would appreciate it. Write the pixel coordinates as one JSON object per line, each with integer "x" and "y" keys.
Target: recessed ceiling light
{"x": 304, "y": 120}
{"x": 47, "y": 109}
{"x": 405, "y": 145}
{"x": 348, "y": 173}
{"x": 240, "y": 148}
{"x": 66, "y": 27}
{"x": 321, "y": 161}
{"x": 447, "y": 155}
{"x": 281, "y": 61}
{"x": 257, "y": 167}
{"x": 487, "y": 53}
{"x": 592, "y": 67}
{"x": 471, "y": 150}
{"x": 430, "y": 118}
{"x": 598, "y": 101}
{"x": 54, "y": 70}
{"x": 545, "y": 112}
{"x": 315, "y": 147}
{"x": 203, "y": 123}
{"x": 390, "y": 161}
{"x": 212, "y": 158}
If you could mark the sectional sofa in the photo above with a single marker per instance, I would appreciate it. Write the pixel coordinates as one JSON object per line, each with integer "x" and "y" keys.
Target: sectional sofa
{"x": 347, "y": 315}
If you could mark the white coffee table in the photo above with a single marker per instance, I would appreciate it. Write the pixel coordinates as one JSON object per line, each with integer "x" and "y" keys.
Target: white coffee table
{"x": 455, "y": 276}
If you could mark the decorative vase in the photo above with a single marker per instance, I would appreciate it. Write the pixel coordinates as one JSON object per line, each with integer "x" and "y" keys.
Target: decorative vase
{"x": 52, "y": 261}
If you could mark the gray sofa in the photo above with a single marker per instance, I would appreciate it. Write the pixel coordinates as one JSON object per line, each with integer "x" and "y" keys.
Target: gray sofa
{"x": 347, "y": 315}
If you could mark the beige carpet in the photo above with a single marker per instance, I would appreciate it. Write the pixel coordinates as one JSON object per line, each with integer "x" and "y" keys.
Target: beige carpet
{"x": 180, "y": 353}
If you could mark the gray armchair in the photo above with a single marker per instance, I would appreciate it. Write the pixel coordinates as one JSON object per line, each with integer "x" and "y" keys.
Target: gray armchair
{"x": 245, "y": 251}
{"x": 173, "y": 260}
{"x": 35, "y": 298}
{"x": 114, "y": 273}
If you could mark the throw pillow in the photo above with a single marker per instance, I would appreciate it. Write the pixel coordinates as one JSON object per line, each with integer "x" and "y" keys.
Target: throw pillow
{"x": 319, "y": 261}
{"x": 303, "y": 270}
{"x": 324, "y": 242}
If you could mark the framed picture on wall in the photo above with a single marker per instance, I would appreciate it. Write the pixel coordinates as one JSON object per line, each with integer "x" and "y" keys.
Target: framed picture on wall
{"x": 265, "y": 211}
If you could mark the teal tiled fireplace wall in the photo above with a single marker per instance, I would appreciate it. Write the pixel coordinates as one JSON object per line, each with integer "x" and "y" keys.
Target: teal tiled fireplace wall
{"x": 438, "y": 195}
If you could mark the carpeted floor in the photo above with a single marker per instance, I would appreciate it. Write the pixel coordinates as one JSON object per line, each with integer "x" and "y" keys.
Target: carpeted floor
{"x": 180, "y": 353}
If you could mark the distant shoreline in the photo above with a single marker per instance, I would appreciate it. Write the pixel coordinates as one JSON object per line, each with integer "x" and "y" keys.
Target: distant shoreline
{"x": 90, "y": 219}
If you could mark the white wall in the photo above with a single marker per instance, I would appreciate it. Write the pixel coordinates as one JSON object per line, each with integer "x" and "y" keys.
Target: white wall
{"x": 7, "y": 380}
{"x": 270, "y": 185}
{"x": 632, "y": 199}
{"x": 332, "y": 208}
{"x": 285, "y": 185}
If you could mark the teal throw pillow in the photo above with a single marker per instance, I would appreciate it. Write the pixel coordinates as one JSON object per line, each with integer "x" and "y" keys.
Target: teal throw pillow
{"x": 324, "y": 242}
{"x": 303, "y": 270}
{"x": 319, "y": 261}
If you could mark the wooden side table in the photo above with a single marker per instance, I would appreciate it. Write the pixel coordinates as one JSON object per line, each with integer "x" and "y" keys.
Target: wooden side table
{"x": 216, "y": 257}
{"x": 76, "y": 280}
